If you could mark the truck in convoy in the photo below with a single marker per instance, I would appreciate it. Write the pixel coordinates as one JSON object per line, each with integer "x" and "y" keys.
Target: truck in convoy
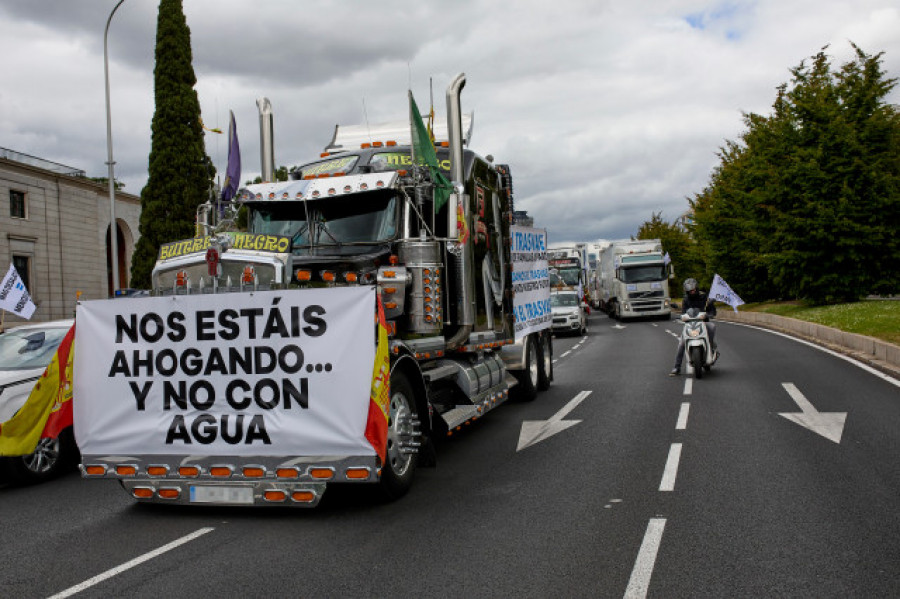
{"x": 634, "y": 279}
{"x": 247, "y": 377}
{"x": 566, "y": 262}
{"x": 594, "y": 291}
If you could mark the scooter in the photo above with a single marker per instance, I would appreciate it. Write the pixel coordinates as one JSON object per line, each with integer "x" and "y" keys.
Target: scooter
{"x": 697, "y": 348}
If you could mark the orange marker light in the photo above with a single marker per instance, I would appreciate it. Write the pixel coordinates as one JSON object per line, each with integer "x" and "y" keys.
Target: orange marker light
{"x": 357, "y": 473}
{"x": 169, "y": 493}
{"x": 143, "y": 493}
{"x": 126, "y": 470}
{"x": 275, "y": 495}
{"x": 322, "y": 473}
{"x": 303, "y": 496}
{"x": 287, "y": 473}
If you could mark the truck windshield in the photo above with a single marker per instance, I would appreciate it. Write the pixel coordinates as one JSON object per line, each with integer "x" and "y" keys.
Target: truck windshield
{"x": 351, "y": 220}
{"x": 563, "y": 299}
{"x": 642, "y": 274}
{"x": 570, "y": 275}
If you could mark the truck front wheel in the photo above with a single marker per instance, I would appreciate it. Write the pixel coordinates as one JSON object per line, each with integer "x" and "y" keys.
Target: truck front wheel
{"x": 402, "y": 439}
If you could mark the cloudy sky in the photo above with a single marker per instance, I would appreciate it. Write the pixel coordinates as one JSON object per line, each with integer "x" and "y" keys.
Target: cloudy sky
{"x": 607, "y": 111}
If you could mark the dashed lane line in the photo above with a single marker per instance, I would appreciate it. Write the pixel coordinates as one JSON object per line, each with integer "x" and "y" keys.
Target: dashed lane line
{"x": 646, "y": 559}
{"x": 682, "y": 417}
{"x": 671, "y": 471}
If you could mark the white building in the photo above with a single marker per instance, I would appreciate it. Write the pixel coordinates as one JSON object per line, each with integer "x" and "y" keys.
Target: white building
{"x": 54, "y": 227}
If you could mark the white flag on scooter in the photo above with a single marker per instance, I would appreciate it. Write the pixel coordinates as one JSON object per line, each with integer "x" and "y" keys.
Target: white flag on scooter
{"x": 721, "y": 292}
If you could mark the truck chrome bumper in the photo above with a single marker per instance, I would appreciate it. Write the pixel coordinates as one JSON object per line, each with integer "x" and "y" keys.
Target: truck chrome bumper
{"x": 227, "y": 480}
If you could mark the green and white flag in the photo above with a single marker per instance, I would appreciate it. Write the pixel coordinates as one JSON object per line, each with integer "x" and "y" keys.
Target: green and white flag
{"x": 423, "y": 154}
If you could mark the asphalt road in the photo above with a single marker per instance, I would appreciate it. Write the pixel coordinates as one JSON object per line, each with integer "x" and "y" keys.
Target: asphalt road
{"x": 620, "y": 481}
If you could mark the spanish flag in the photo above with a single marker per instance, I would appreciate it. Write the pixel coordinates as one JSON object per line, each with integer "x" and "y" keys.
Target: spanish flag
{"x": 380, "y": 396}
{"x": 48, "y": 409}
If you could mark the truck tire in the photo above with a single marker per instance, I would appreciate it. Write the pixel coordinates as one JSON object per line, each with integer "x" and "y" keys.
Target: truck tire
{"x": 611, "y": 309}
{"x": 529, "y": 378}
{"x": 545, "y": 372}
{"x": 400, "y": 465}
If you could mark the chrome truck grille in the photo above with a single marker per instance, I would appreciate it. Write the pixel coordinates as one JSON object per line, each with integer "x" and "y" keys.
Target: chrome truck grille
{"x": 236, "y": 271}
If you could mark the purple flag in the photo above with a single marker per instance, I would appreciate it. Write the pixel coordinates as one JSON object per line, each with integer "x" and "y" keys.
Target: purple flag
{"x": 233, "y": 171}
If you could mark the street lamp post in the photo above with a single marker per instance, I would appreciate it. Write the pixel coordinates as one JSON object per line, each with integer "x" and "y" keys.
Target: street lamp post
{"x": 113, "y": 227}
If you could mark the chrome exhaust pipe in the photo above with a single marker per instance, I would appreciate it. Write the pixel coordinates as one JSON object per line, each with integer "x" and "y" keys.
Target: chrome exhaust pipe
{"x": 465, "y": 282}
{"x": 266, "y": 140}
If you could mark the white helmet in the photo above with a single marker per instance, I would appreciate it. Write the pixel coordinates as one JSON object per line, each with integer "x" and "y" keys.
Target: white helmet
{"x": 690, "y": 285}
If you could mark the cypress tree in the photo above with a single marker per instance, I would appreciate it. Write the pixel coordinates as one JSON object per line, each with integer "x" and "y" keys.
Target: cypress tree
{"x": 180, "y": 172}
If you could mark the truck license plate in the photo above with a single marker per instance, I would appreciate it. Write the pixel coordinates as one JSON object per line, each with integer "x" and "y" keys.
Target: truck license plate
{"x": 220, "y": 494}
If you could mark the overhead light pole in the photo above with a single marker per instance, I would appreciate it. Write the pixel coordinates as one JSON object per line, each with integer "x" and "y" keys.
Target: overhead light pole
{"x": 113, "y": 227}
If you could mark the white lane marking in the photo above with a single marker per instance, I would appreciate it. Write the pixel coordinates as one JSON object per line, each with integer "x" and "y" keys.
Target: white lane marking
{"x": 535, "y": 431}
{"x": 668, "y": 479}
{"x": 688, "y": 385}
{"x": 566, "y": 354}
{"x": 828, "y": 424}
{"x": 646, "y": 559}
{"x": 853, "y": 361}
{"x": 131, "y": 564}
{"x": 682, "y": 417}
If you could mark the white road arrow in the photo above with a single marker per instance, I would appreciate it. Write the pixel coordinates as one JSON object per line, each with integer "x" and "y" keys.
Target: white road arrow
{"x": 535, "y": 431}
{"x": 828, "y": 424}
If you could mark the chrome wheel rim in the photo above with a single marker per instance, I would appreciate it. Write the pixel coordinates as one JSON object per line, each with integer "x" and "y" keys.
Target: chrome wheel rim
{"x": 45, "y": 456}
{"x": 400, "y": 434}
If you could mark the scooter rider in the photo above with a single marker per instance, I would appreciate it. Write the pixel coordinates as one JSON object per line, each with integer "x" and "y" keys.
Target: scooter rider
{"x": 694, "y": 298}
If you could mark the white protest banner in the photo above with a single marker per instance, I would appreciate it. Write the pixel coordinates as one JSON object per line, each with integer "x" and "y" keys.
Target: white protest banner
{"x": 721, "y": 292}
{"x": 14, "y": 296}
{"x": 531, "y": 280}
{"x": 268, "y": 373}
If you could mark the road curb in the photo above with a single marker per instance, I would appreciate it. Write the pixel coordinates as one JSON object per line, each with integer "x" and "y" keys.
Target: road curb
{"x": 874, "y": 352}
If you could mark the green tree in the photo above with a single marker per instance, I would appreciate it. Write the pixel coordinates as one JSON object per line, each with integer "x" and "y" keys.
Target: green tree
{"x": 282, "y": 173}
{"x": 180, "y": 172}
{"x": 808, "y": 205}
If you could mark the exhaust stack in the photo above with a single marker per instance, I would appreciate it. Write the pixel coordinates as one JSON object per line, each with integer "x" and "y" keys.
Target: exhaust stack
{"x": 266, "y": 140}
{"x": 463, "y": 253}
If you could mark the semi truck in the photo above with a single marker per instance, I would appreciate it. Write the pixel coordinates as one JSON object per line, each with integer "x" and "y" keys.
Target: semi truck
{"x": 567, "y": 263}
{"x": 634, "y": 279}
{"x": 354, "y": 322}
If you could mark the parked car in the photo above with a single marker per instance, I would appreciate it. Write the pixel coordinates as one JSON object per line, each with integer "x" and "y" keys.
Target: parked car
{"x": 569, "y": 313}
{"x": 25, "y": 352}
